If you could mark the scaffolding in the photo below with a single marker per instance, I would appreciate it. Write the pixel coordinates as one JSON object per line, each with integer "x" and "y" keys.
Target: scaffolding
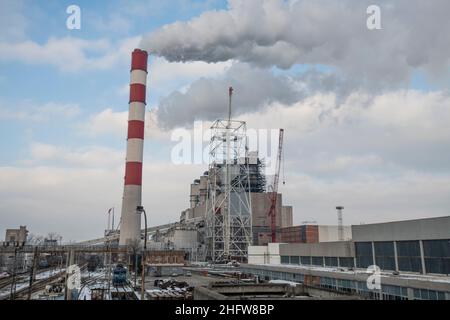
{"x": 228, "y": 203}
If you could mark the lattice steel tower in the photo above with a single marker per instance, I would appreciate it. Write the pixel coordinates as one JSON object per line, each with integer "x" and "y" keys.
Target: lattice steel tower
{"x": 228, "y": 203}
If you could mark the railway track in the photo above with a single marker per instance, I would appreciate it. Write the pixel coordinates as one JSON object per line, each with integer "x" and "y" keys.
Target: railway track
{"x": 20, "y": 277}
{"x": 38, "y": 284}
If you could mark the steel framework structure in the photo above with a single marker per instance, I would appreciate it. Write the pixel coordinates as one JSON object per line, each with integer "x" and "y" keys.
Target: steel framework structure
{"x": 228, "y": 204}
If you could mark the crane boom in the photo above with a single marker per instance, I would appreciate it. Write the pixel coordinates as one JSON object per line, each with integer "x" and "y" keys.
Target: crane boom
{"x": 274, "y": 187}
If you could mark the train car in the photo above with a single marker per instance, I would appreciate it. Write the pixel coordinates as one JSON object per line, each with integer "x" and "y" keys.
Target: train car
{"x": 43, "y": 264}
{"x": 119, "y": 276}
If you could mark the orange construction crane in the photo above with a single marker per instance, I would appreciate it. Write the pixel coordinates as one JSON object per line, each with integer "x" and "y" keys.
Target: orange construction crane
{"x": 273, "y": 189}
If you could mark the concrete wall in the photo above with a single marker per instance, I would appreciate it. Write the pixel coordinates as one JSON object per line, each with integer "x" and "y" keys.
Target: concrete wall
{"x": 195, "y": 194}
{"x": 202, "y": 293}
{"x": 325, "y": 249}
{"x": 269, "y": 254}
{"x": 258, "y": 255}
{"x": 260, "y": 209}
{"x": 420, "y": 229}
{"x": 183, "y": 239}
{"x": 196, "y": 212}
{"x": 331, "y": 233}
{"x": 286, "y": 216}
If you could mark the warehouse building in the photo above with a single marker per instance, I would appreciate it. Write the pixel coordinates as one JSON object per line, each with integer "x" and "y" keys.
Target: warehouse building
{"x": 413, "y": 257}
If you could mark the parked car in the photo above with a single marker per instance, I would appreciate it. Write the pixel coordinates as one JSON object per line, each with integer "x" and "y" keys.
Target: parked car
{"x": 188, "y": 274}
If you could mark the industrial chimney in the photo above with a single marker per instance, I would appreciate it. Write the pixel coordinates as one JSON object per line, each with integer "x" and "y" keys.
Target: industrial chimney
{"x": 131, "y": 221}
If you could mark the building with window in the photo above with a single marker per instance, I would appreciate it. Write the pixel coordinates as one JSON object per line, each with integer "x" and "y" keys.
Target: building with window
{"x": 16, "y": 235}
{"x": 413, "y": 258}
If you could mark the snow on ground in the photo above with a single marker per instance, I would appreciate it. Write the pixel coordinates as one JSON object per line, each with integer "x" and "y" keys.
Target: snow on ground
{"x": 433, "y": 278}
{"x": 85, "y": 294}
{"x": 21, "y": 285}
{"x": 291, "y": 283}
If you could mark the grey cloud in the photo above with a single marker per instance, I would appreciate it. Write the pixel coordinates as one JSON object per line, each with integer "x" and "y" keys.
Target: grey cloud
{"x": 207, "y": 99}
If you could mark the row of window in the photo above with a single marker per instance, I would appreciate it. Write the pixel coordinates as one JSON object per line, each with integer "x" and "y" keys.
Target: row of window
{"x": 360, "y": 288}
{"x": 347, "y": 262}
{"x": 408, "y": 257}
{"x": 436, "y": 255}
{"x": 388, "y": 292}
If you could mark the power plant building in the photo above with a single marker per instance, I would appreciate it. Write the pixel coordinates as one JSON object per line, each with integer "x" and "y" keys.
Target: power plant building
{"x": 259, "y": 199}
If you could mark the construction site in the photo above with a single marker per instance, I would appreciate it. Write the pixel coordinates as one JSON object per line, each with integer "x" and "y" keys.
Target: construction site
{"x": 234, "y": 240}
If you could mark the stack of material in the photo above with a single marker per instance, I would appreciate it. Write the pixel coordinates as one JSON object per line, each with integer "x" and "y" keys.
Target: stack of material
{"x": 170, "y": 294}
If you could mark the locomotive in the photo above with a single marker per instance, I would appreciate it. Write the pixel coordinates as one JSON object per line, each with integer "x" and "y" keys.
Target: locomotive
{"x": 119, "y": 275}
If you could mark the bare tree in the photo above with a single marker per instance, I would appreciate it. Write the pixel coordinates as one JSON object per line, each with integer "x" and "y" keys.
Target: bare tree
{"x": 35, "y": 239}
{"x": 54, "y": 237}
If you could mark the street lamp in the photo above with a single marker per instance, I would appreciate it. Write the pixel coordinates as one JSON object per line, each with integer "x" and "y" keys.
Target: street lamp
{"x": 140, "y": 210}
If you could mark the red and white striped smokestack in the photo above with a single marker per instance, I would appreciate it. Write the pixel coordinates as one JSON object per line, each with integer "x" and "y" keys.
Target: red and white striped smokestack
{"x": 131, "y": 221}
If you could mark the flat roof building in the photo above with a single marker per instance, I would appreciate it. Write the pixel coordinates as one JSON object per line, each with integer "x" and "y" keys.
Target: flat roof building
{"x": 16, "y": 235}
{"x": 413, "y": 256}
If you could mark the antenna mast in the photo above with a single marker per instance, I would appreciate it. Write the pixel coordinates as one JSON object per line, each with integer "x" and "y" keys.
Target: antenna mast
{"x": 230, "y": 94}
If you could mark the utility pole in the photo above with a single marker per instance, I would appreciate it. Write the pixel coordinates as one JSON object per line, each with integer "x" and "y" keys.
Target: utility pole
{"x": 135, "y": 266}
{"x": 230, "y": 94}
{"x": 112, "y": 224}
{"x": 340, "y": 223}
{"x": 13, "y": 283}
{"x": 140, "y": 210}
{"x": 69, "y": 262}
{"x": 33, "y": 266}
{"x": 109, "y": 267}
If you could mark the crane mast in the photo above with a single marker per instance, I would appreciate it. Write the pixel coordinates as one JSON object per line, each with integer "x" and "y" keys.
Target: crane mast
{"x": 274, "y": 187}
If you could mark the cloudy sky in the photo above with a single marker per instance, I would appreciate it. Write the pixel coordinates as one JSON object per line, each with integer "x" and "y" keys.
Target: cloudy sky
{"x": 366, "y": 112}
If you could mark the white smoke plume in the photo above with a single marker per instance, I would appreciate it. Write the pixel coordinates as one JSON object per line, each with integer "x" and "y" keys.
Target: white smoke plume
{"x": 279, "y": 33}
{"x": 261, "y": 34}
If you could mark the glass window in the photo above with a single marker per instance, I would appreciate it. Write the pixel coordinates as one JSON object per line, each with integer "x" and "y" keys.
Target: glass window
{"x": 384, "y": 255}
{"x": 364, "y": 256}
{"x": 346, "y": 262}
{"x": 295, "y": 260}
{"x": 424, "y": 294}
{"x": 331, "y": 261}
{"x": 416, "y": 294}
{"x": 437, "y": 256}
{"x": 317, "y": 261}
{"x": 305, "y": 260}
{"x": 285, "y": 259}
{"x": 408, "y": 255}
{"x": 394, "y": 293}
